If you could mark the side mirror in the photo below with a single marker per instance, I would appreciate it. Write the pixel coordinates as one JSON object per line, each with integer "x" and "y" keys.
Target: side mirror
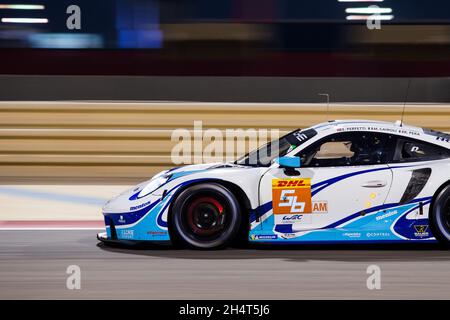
{"x": 289, "y": 162}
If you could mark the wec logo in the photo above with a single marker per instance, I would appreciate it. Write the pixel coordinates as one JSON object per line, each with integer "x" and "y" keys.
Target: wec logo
{"x": 296, "y": 217}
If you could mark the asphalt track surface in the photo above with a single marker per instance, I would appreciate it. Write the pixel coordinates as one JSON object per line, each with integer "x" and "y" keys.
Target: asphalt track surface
{"x": 33, "y": 265}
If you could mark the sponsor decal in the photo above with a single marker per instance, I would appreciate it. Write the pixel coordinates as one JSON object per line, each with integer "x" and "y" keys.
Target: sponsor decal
{"x": 289, "y": 235}
{"x": 127, "y": 234}
{"x": 421, "y": 231}
{"x": 291, "y": 196}
{"x": 445, "y": 139}
{"x": 157, "y": 233}
{"x": 410, "y": 132}
{"x": 121, "y": 219}
{"x": 352, "y": 234}
{"x": 140, "y": 206}
{"x": 294, "y": 218}
{"x": 351, "y": 129}
{"x": 378, "y": 234}
{"x": 379, "y": 129}
{"x": 386, "y": 215}
{"x": 264, "y": 237}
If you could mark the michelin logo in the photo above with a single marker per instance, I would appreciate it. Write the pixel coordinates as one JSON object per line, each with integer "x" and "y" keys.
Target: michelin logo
{"x": 264, "y": 237}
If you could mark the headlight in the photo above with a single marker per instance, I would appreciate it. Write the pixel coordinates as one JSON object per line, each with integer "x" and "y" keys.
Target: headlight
{"x": 156, "y": 182}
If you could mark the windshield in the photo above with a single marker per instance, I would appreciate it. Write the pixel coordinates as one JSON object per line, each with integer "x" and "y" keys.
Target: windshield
{"x": 263, "y": 156}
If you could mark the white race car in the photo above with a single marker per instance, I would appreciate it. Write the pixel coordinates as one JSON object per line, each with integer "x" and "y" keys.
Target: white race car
{"x": 340, "y": 181}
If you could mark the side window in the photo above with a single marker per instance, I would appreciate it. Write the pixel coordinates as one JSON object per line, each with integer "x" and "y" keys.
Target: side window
{"x": 410, "y": 150}
{"x": 348, "y": 149}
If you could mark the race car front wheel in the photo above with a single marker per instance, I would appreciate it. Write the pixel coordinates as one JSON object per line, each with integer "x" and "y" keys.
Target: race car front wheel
{"x": 440, "y": 217}
{"x": 205, "y": 216}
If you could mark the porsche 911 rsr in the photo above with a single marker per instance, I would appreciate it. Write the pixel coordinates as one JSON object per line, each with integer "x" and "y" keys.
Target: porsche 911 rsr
{"x": 340, "y": 181}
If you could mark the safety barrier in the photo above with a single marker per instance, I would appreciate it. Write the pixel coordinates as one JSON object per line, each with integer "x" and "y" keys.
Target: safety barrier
{"x": 112, "y": 140}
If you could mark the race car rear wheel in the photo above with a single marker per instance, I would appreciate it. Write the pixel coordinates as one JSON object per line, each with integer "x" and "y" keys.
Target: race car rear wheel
{"x": 205, "y": 216}
{"x": 440, "y": 217}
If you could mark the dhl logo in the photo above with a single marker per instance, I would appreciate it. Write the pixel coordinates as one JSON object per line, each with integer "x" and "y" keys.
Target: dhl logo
{"x": 291, "y": 183}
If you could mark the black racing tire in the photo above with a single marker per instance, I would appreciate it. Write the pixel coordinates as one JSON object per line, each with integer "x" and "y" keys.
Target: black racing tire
{"x": 440, "y": 217}
{"x": 205, "y": 216}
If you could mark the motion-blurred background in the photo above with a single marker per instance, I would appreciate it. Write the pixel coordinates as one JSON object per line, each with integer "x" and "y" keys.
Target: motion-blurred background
{"x": 163, "y": 50}
{"x": 96, "y": 105}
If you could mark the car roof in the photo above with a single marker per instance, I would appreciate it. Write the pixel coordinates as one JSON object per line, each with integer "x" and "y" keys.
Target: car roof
{"x": 398, "y": 128}
{"x": 355, "y": 122}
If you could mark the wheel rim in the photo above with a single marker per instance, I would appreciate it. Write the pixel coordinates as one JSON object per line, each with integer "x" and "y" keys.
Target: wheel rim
{"x": 205, "y": 217}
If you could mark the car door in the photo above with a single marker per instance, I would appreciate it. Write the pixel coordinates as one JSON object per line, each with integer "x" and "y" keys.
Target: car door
{"x": 342, "y": 176}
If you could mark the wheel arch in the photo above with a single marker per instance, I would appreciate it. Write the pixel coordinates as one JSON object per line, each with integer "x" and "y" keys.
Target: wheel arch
{"x": 238, "y": 192}
{"x": 433, "y": 201}
{"x": 438, "y": 191}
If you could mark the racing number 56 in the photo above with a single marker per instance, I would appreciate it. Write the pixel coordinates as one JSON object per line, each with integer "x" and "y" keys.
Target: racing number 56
{"x": 288, "y": 199}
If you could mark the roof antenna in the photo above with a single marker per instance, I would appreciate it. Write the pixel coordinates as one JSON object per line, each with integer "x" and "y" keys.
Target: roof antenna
{"x": 404, "y": 103}
{"x": 328, "y": 101}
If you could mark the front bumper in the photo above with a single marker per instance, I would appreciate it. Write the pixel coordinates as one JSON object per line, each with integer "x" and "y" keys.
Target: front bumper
{"x": 103, "y": 237}
{"x": 132, "y": 221}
